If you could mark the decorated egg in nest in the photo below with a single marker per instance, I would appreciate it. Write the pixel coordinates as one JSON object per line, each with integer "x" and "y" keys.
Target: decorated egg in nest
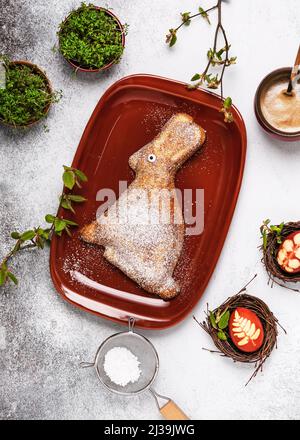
{"x": 246, "y": 330}
{"x": 288, "y": 256}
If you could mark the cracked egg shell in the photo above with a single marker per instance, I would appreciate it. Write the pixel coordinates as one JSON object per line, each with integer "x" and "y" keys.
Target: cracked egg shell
{"x": 246, "y": 330}
{"x": 288, "y": 256}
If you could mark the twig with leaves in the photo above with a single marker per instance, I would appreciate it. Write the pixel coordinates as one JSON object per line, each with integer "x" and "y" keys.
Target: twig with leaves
{"x": 216, "y": 56}
{"x": 37, "y": 237}
{"x": 266, "y": 229}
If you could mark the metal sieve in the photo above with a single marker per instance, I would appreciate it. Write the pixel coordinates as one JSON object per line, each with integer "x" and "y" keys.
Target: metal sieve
{"x": 144, "y": 350}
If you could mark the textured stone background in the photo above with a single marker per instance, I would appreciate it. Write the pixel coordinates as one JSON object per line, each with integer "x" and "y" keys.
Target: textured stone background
{"x": 43, "y": 339}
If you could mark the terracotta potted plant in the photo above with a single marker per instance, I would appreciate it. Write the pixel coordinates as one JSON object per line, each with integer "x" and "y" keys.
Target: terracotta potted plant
{"x": 26, "y": 94}
{"x": 91, "y": 38}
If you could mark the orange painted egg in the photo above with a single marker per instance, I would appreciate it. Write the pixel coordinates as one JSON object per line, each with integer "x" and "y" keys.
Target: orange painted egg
{"x": 288, "y": 256}
{"x": 246, "y": 330}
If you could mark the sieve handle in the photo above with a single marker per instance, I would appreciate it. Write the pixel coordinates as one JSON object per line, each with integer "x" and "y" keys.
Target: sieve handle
{"x": 171, "y": 411}
{"x": 86, "y": 364}
{"x": 131, "y": 322}
{"x": 167, "y": 407}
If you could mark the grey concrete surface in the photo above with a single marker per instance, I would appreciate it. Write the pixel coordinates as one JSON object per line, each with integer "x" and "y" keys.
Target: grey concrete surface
{"x": 43, "y": 339}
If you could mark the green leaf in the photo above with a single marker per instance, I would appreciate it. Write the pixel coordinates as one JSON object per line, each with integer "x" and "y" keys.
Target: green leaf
{"x": 265, "y": 240}
{"x": 15, "y": 235}
{"x": 67, "y": 229}
{"x": 210, "y": 54}
{"x": 3, "y": 276}
{"x": 281, "y": 227}
{"x": 218, "y": 316}
{"x": 227, "y": 103}
{"x": 213, "y": 320}
{"x": 76, "y": 199}
{"x": 69, "y": 179}
{"x": 45, "y": 234}
{"x": 80, "y": 175}
{"x": 222, "y": 335}
{"x": 173, "y": 40}
{"x": 204, "y": 14}
{"x": 66, "y": 204}
{"x": 172, "y": 37}
{"x": 12, "y": 277}
{"x": 49, "y": 218}
{"x": 196, "y": 77}
{"x": 220, "y": 53}
{"x": 70, "y": 222}
{"x": 39, "y": 231}
{"x": 59, "y": 225}
{"x": 223, "y": 323}
{"x": 40, "y": 243}
{"x": 186, "y": 18}
{"x": 28, "y": 235}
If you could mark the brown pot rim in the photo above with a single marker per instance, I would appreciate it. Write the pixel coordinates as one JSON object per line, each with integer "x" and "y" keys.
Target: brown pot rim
{"x": 36, "y": 68}
{"x": 295, "y": 136}
{"x": 106, "y": 66}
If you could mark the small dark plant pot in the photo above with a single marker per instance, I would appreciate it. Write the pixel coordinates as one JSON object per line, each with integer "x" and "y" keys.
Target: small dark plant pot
{"x": 76, "y": 65}
{"x": 282, "y": 73}
{"x": 37, "y": 70}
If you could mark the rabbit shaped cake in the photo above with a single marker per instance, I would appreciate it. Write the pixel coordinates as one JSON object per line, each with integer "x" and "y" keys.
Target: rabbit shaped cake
{"x": 143, "y": 231}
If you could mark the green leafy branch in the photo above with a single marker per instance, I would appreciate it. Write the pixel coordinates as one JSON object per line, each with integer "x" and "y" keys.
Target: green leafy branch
{"x": 216, "y": 57}
{"x": 219, "y": 321}
{"x": 38, "y": 237}
{"x": 267, "y": 229}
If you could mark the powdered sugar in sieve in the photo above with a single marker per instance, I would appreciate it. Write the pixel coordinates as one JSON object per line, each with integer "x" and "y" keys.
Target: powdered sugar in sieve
{"x": 122, "y": 366}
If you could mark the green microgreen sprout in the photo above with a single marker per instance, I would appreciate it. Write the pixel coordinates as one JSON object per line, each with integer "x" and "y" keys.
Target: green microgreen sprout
{"x": 91, "y": 38}
{"x": 38, "y": 237}
{"x": 26, "y": 97}
{"x": 217, "y": 57}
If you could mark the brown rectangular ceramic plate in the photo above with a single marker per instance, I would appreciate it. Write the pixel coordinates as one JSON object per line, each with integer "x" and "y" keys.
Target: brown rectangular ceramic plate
{"x": 129, "y": 115}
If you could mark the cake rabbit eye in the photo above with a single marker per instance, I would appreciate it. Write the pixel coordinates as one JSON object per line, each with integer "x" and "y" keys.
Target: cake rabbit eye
{"x": 151, "y": 158}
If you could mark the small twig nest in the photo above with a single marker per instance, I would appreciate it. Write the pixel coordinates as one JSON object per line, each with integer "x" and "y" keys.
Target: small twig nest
{"x": 269, "y": 259}
{"x": 227, "y": 348}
